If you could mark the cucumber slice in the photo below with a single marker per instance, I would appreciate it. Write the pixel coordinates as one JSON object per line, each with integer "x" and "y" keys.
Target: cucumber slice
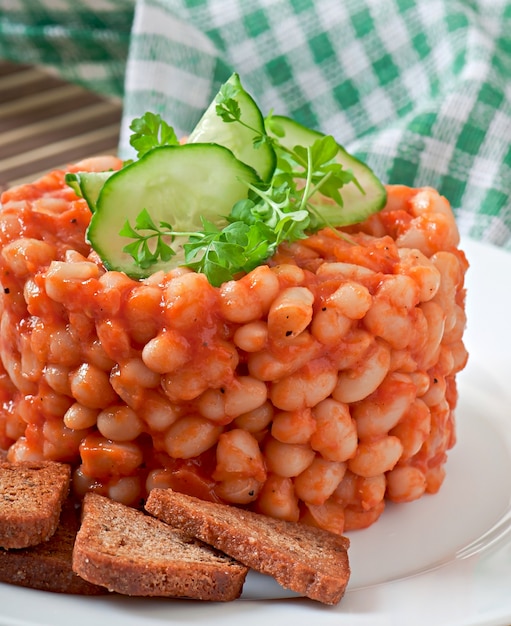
{"x": 234, "y": 135}
{"x": 357, "y": 206}
{"x": 175, "y": 184}
{"x": 87, "y": 185}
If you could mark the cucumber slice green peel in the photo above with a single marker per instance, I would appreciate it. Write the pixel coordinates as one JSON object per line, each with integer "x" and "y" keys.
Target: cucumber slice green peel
{"x": 87, "y": 185}
{"x": 360, "y": 198}
{"x": 222, "y": 203}
{"x": 185, "y": 182}
{"x": 218, "y": 125}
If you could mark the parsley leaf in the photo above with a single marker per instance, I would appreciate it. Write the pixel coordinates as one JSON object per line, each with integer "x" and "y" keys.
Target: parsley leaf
{"x": 273, "y": 212}
{"x": 142, "y": 253}
{"x": 150, "y": 131}
{"x": 227, "y": 106}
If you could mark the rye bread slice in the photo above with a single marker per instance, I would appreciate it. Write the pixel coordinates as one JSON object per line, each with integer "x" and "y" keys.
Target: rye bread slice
{"x": 47, "y": 566}
{"x": 310, "y": 561}
{"x": 134, "y": 554}
{"x": 31, "y": 498}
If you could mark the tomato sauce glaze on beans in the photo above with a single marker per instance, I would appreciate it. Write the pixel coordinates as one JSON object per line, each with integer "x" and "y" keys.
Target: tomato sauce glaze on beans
{"x": 315, "y": 388}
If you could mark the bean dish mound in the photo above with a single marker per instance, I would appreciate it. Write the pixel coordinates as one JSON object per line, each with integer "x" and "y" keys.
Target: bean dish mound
{"x": 317, "y": 387}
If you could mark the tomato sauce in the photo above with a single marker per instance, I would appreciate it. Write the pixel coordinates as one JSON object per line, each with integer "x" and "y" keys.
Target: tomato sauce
{"x": 88, "y": 356}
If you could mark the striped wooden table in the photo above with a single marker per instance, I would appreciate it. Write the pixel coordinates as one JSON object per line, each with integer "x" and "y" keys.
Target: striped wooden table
{"x": 46, "y": 123}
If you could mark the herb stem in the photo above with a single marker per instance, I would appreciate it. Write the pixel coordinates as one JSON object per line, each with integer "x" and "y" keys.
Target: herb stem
{"x": 308, "y": 181}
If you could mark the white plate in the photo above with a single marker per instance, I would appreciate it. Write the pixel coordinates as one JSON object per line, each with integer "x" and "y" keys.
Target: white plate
{"x": 443, "y": 560}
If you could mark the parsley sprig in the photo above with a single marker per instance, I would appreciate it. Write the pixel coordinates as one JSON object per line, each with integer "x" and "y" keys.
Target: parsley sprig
{"x": 150, "y": 131}
{"x": 272, "y": 213}
{"x": 139, "y": 249}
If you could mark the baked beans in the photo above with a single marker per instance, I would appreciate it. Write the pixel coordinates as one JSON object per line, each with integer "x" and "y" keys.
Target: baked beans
{"x": 314, "y": 388}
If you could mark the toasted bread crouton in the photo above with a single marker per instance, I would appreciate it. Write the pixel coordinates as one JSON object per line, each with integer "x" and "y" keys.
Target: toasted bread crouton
{"x": 134, "y": 554}
{"x": 307, "y": 560}
{"x": 31, "y": 498}
{"x": 47, "y": 566}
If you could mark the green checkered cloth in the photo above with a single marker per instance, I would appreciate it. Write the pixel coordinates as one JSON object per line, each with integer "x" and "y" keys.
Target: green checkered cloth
{"x": 84, "y": 41}
{"x": 420, "y": 89}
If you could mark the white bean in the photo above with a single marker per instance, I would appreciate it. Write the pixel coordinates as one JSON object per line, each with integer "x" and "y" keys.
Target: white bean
{"x": 376, "y": 457}
{"x": 190, "y": 436}
{"x": 266, "y": 365}
{"x": 244, "y": 394}
{"x": 252, "y": 336}
{"x": 126, "y": 490}
{"x": 79, "y": 417}
{"x": 425, "y": 274}
{"x": 330, "y": 326}
{"x": 294, "y": 426}
{"x": 355, "y": 384}
{"x": 405, "y": 484}
{"x": 383, "y": 409}
{"x": 287, "y": 459}
{"x": 278, "y": 499}
{"x": 239, "y": 490}
{"x": 351, "y": 299}
{"x": 157, "y": 412}
{"x": 238, "y": 456}
{"x": 318, "y": 482}
{"x": 304, "y": 388}
{"x": 290, "y": 313}
{"x": 166, "y": 352}
{"x": 119, "y": 423}
{"x": 256, "y": 420}
{"x": 435, "y": 318}
{"x": 335, "y": 436}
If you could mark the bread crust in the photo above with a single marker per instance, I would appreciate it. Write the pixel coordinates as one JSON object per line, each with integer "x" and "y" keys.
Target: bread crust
{"x": 31, "y": 498}
{"x": 305, "y": 559}
{"x": 131, "y": 553}
{"x": 47, "y": 566}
